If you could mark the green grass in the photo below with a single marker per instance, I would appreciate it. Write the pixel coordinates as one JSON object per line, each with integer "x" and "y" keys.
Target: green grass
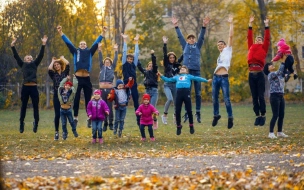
{"x": 243, "y": 138}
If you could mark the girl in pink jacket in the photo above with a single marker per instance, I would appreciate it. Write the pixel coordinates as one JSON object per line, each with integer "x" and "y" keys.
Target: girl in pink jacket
{"x": 97, "y": 110}
{"x": 145, "y": 111}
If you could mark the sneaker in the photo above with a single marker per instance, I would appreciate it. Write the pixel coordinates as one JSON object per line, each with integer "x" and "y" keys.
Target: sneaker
{"x": 35, "y": 127}
{"x": 75, "y": 133}
{"x": 89, "y": 123}
{"x": 185, "y": 117}
{"x": 21, "y": 129}
{"x": 100, "y": 141}
{"x": 230, "y": 123}
{"x": 75, "y": 121}
{"x": 281, "y": 134}
{"x": 155, "y": 125}
{"x": 191, "y": 130}
{"x": 115, "y": 131}
{"x": 272, "y": 136}
{"x": 119, "y": 133}
{"x": 215, "y": 120}
{"x": 179, "y": 130}
{"x": 105, "y": 127}
{"x": 295, "y": 76}
{"x": 198, "y": 117}
{"x": 111, "y": 126}
{"x": 64, "y": 135}
{"x": 143, "y": 139}
{"x": 257, "y": 121}
{"x": 56, "y": 138}
{"x": 93, "y": 141}
{"x": 164, "y": 119}
{"x": 287, "y": 77}
{"x": 262, "y": 120}
{"x": 152, "y": 139}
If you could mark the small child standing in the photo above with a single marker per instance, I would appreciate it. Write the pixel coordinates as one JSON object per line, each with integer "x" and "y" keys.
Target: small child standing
{"x": 284, "y": 49}
{"x": 66, "y": 95}
{"x": 145, "y": 111}
{"x": 97, "y": 110}
{"x": 121, "y": 95}
{"x": 277, "y": 102}
{"x": 151, "y": 83}
{"x": 183, "y": 83}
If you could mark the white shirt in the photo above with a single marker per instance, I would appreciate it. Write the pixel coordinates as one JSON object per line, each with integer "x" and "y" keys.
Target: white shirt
{"x": 224, "y": 59}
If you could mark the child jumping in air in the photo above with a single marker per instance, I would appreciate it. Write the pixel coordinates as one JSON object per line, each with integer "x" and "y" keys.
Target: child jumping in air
{"x": 66, "y": 95}
{"x": 183, "y": 83}
{"x": 121, "y": 95}
{"x": 145, "y": 111}
{"x": 151, "y": 83}
{"x": 284, "y": 49}
{"x": 97, "y": 110}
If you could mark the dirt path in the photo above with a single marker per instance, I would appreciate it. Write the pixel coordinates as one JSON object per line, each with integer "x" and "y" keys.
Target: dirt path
{"x": 148, "y": 166}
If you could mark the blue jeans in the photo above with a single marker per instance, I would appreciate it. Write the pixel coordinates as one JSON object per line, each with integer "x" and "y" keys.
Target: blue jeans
{"x": 153, "y": 92}
{"x": 120, "y": 114}
{"x": 220, "y": 82}
{"x": 64, "y": 114}
{"x": 197, "y": 89}
{"x": 170, "y": 91}
{"x": 96, "y": 128}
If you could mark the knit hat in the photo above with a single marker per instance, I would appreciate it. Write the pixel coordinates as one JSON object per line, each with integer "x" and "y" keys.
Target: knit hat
{"x": 98, "y": 92}
{"x": 266, "y": 70}
{"x": 68, "y": 83}
{"x": 281, "y": 42}
{"x": 118, "y": 82}
{"x": 146, "y": 97}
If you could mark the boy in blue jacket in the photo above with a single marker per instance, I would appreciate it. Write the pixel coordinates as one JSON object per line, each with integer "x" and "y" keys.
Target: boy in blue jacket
{"x": 183, "y": 95}
{"x": 82, "y": 67}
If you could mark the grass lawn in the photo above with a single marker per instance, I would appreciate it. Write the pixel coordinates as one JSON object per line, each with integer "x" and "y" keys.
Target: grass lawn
{"x": 243, "y": 138}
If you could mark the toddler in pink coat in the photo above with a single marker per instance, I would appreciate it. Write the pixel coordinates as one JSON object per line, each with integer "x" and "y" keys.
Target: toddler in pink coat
{"x": 145, "y": 111}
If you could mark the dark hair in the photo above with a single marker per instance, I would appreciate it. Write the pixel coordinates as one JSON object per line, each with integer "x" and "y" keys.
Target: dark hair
{"x": 260, "y": 37}
{"x": 130, "y": 55}
{"x": 266, "y": 68}
{"x": 221, "y": 41}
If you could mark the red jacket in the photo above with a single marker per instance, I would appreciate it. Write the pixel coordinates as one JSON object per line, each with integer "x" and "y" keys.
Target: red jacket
{"x": 257, "y": 52}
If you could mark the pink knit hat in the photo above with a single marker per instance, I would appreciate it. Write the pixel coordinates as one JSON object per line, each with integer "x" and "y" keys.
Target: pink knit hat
{"x": 281, "y": 42}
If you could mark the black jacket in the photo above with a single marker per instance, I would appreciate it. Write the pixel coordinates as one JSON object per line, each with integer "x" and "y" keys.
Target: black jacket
{"x": 150, "y": 79}
{"x": 170, "y": 69}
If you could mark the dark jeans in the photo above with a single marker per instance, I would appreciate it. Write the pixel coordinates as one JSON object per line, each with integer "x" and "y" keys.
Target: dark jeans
{"x": 197, "y": 89}
{"x": 120, "y": 114}
{"x": 277, "y": 103}
{"x": 183, "y": 95}
{"x": 289, "y": 64}
{"x": 56, "y": 104}
{"x": 26, "y": 92}
{"x": 104, "y": 96}
{"x": 142, "y": 131}
{"x": 257, "y": 88}
{"x": 96, "y": 129}
{"x": 85, "y": 84}
{"x": 135, "y": 96}
{"x": 64, "y": 115}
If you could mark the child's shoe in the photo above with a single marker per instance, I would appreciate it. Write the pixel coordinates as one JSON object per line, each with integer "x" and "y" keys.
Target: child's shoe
{"x": 75, "y": 133}
{"x": 191, "y": 129}
{"x": 281, "y": 134}
{"x": 56, "y": 136}
{"x": 100, "y": 141}
{"x": 75, "y": 121}
{"x": 143, "y": 139}
{"x": 105, "y": 126}
{"x": 272, "y": 136}
{"x": 179, "y": 130}
{"x": 295, "y": 76}
{"x": 152, "y": 139}
{"x": 262, "y": 120}
{"x": 119, "y": 133}
{"x": 64, "y": 135}
{"x": 93, "y": 141}
{"x": 155, "y": 124}
{"x": 164, "y": 119}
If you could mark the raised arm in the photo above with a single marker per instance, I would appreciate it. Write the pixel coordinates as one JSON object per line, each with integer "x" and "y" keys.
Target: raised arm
{"x": 154, "y": 65}
{"x": 100, "y": 57}
{"x": 266, "y": 42}
{"x": 249, "y": 34}
{"x": 38, "y": 60}
{"x": 51, "y": 66}
{"x": 66, "y": 40}
{"x": 125, "y": 48}
{"x": 136, "y": 53}
{"x": 230, "y": 20}
{"x": 16, "y": 56}
{"x": 75, "y": 84}
{"x": 180, "y": 36}
{"x": 165, "y": 51}
{"x": 198, "y": 79}
{"x": 115, "y": 56}
{"x": 140, "y": 68}
{"x": 200, "y": 40}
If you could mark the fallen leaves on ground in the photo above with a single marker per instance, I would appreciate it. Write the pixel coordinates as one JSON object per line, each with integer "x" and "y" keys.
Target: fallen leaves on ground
{"x": 208, "y": 180}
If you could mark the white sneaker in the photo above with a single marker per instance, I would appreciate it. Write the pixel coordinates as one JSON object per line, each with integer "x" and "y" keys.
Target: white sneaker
{"x": 272, "y": 136}
{"x": 281, "y": 134}
{"x": 164, "y": 119}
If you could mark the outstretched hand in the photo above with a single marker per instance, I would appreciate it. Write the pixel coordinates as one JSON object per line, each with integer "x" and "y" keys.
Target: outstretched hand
{"x": 209, "y": 80}
{"x": 230, "y": 19}
{"x": 266, "y": 22}
{"x": 115, "y": 47}
{"x": 59, "y": 29}
{"x": 99, "y": 45}
{"x": 136, "y": 37}
{"x": 44, "y": 39}
{"x": 124, "y": 36}
{"x": 206, "y": 21}
{"x": 13, "y": 41}
{"x": 165, "y": 39}
{"x": 251, "y": 19}
{"x": 174, "y": 21}
{"x": 158, "y": 73}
